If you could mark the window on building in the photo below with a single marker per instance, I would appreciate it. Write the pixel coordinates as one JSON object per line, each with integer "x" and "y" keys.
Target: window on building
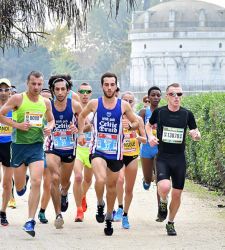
{"x": 145, "y": 46}
{"x": 180, "y": 46}
{"x": 220, "y": 45}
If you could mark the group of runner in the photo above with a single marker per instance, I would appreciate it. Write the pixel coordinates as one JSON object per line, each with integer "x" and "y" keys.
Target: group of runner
{"x": 55, "y": 131}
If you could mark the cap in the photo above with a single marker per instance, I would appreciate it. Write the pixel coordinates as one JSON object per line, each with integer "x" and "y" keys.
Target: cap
{"x": 6, "y": 81}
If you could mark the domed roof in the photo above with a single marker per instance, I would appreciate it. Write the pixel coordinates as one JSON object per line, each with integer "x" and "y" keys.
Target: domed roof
{"x": 180, "y": 14}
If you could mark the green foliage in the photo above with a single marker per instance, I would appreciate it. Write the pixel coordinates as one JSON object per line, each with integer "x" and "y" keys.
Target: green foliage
{"x": 206, "y": 158}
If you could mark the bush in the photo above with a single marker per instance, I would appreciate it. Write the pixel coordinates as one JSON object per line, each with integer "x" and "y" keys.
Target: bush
{"x": 206, "y": 159}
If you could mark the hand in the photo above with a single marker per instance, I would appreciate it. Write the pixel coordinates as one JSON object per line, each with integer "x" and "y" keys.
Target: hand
{"x": 73, "y": 128}
{"x": 47, "y": 131}
{"x": 125, "y": 123}
{"x": 195, "y": 134}
{"x": 24, "y": 126}
{"x": 81, "y": 139}
{"x": 153, "y": 141}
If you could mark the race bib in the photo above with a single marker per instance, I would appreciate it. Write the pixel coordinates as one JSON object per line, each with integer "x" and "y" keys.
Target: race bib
{"x": 87, "y": 138}
{"x": 34, "y": 118}
{"x": 63, "y": 140}
{"x": 107, "y": 143}
{"x": 5, "y": 130}
{"x": 173, "y": 135}
{"x": 129, "y": 145}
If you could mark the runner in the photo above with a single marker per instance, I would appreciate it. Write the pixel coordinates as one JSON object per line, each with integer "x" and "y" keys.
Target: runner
{"x": 81, "y": 185}
{"x": 46, "y": 195}
{"x": 145, "y": 101}
{"x": 27, "y": 140}
{"x": 148, "y": 153}
{"x": 106, "y": 145}
{"x": 172, "y": 122}
{"x": 60, "y": 145}
{"x": 130, "y": 160}
{"x": 5, "y": 142}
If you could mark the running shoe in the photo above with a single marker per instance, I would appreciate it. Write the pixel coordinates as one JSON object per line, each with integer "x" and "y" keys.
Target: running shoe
{"x": 64, "y": 202}
{"x": 108, "y": 230}
{"x": 162, "y": 211}
{"x": 59, "y": 222}
{"x": 119, "y": 215}
{"x": 12, "y": 203}
{"x": 100, "y": 217}
{"x": 84, "y": 204}
{"x": 80, "y": 215}
{"x": 125, "y": 222}
{"x": 29, "y": 227}
{"x": 146, "y": 185}
{"x": 42, "y": 218}
{"x": 4, "y": 221}
{"x": 170, "y": 229}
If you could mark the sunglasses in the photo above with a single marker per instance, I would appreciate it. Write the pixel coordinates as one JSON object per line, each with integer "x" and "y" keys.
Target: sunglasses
{"x": 173, "y": 94}
{"x": 5, "y": 90}
{"x": 84, "y": 91}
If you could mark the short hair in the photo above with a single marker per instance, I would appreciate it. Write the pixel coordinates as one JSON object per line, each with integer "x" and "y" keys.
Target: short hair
{"x": 175, "y": 85}
{"x": 44, "y": 90}
{"x": 153, "y": 88}
{"x": 57, "y": 78}
{"x": 36, "y": 74}
{"x": 108, "y": 74}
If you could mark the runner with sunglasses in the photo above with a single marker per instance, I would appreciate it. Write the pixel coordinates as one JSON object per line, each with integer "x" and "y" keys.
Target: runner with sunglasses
{"x": 148, "y": 153}
{"x": 131, "y": 151}
{"x": 82, "y": 163}
{"x": 172, "y": 122}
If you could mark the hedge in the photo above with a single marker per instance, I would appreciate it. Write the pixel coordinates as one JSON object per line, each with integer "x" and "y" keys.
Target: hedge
{"x": 206, "y": 158}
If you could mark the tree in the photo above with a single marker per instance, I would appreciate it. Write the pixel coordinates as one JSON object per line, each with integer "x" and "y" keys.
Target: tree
{"x": 23, "y": 22}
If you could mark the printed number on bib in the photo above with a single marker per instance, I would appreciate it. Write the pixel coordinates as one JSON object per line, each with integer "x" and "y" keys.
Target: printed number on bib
{"x": 35, "y": 119}
{"x": 63, "y": 140}
{"x": 5, "y": 130}
{"x": 173, "y": 135}
{"x": 107, "y": 143}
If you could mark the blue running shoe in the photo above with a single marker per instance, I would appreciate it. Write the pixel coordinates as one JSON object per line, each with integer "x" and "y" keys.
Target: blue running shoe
{"x": 29, "y": 227}
{"x": 125, "y": 223}
{"x": 146, "y": 185}
{"x": 119, "y": 214}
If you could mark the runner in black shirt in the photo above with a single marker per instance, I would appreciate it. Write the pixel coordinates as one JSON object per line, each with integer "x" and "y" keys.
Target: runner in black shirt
{"x": 172, "y": 122}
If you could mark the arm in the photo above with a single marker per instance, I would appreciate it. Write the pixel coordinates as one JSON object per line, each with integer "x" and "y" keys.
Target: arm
{"x": 76, "y": 107}
{"x": 132, "y": 123}
{"x": 141, "y": 137}
{"x": 13, "y": 103}
{"x": 49, "y": 117}
{"x": 142, "y": 114}
{"x": 153, "y": 140}
{"x": 90, "y": 107}
{"x": 194, "y": 132}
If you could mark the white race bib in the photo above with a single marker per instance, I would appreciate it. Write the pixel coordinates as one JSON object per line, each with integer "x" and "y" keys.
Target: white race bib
{"x": 34, "y": 118}
{"x": 173, "y": 135}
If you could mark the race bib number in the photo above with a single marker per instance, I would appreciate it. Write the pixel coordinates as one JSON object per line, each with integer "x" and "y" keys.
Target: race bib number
{"x": 173, "y": 135}
{"x": 63, "y": 140}
{"x": 107, "y": 143}
{"x": 34, "y": 118}
{"x": 5, "y": 130}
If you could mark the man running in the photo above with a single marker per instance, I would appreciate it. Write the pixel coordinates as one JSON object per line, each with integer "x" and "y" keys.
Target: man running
{"x": 106, "y": 144}
{"x": 82, "y": 163}
{"x": 172, "y": 122}
{"x": 148, "y": 153}
{"x": 27, "y": 140}
{"x": 60, "y": 145}
{"x": 5, "y": 142}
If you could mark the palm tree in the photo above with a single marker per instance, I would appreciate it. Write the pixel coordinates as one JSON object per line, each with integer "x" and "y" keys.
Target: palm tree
{"x": 22, "y": 22}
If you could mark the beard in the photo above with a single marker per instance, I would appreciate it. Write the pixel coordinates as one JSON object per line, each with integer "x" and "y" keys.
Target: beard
{"x": 109, "y": 96}
{"x": 61, "y": 100}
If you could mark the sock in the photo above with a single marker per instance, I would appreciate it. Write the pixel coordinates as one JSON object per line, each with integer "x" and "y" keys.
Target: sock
{"x": 121, "y": 206}
{"x": 30, "y": 219}
{"x": 22, "y": 192}
{"x": 124, "y": 214}
{"x": 2, "y": 213}
{"x": 164, "y": 201}
{"x": 108, "y": 216}
{"x": 42, "y": 210}
{"x": 101, "y": 203}
{"x": 170, "y": 222}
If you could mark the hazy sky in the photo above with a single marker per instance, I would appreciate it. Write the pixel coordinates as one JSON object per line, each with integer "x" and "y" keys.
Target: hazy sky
{"x": 217, "y": 2}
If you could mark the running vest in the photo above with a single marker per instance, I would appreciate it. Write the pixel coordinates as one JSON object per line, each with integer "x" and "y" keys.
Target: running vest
{"x": 61, "y": 138}
{"x": 6, "y": 131}
{"x": 108, "y": 133}
{"x": 130, "y": 143}
{"x": 33, "y": 112}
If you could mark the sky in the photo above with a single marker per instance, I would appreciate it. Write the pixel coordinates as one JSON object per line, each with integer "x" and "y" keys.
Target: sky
{"x": 217, "y": 2}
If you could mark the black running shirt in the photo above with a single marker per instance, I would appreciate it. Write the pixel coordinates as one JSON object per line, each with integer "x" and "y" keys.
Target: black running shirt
{"x": 171, "y": 128}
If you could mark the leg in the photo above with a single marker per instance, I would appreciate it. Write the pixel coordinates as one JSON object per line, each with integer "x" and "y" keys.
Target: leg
{"x": 77, "y": 187}
{"x": 36, "y": 173}
{"x": 175, "y": 203}
{"x": 147, "y": 168}
{"x": 7, "y": 186}
{"x": 20, "y": 178}
{"x": 88, "y": 173}
{"x": 53, "y": 163}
